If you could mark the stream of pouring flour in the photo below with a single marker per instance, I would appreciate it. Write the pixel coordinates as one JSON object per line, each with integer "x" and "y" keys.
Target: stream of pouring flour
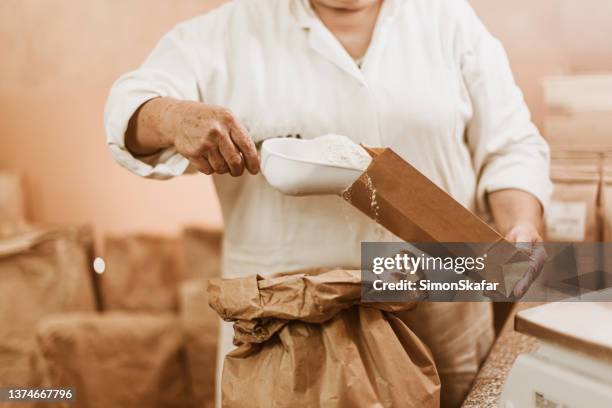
{"x": 379, "y": 232}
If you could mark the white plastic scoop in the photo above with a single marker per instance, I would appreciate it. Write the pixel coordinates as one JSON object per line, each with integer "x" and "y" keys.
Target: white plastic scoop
{"x": 325, "y": 165}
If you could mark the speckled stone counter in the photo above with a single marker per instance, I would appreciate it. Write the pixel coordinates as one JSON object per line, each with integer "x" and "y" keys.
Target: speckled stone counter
{"x": 490, "y": 380}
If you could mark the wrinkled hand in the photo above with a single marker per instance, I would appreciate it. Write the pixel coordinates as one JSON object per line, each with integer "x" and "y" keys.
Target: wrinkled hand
{"x": 528, "y": 240}
{"x": 210, "y": 138}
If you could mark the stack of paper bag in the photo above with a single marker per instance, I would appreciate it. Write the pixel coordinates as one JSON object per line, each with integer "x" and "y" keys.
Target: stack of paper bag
{"x": 117, "y": 359}
{"x": 305, "y": 340}
{"x": 202, "y": 252}
{"x": 143, "y": 273}
{"x": 42, "y": 272}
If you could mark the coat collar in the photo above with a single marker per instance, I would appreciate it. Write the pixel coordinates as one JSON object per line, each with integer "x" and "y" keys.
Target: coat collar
{"x": 322, "y": 41}
{"x": 306, "y": 17}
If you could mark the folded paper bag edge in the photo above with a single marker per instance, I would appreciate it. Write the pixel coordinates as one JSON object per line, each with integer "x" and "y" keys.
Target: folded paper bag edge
{"x": 254, "y": 302}
{"x": 233, "y": 298}
{"x": 295, "y": 296}
{"x": 373, "y": 151}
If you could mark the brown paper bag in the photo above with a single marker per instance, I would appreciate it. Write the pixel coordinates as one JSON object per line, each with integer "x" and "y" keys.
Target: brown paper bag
{"x": 407, "y": 203}
{"x": 117, "y": 359}
{"x": 202, "y": 252}
{"x": 606, "y": 214}
{"x": 404, "y": 201}
{"x": 573, "y": 215}
{"x": 201, "y": 325}
{"x": 143, "y": 273}
{"x": 305, "y": 340}
{"x": 42, "y": 272}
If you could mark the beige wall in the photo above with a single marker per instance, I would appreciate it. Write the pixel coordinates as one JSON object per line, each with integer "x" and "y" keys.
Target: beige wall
{"x": 61, "y": 56}
{"x": 548, "y": 37}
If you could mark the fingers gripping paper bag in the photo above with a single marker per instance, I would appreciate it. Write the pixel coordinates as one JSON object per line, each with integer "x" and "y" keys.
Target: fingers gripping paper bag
{"x": 305, "y": 340}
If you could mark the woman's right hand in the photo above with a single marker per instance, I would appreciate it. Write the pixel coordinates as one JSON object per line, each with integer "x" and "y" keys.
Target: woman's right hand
{"x": 208, "y": 136}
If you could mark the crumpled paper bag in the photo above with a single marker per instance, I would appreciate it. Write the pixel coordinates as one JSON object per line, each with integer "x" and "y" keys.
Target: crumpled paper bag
{"x": 42, "y": 272}
{"x": 304, "y": 339}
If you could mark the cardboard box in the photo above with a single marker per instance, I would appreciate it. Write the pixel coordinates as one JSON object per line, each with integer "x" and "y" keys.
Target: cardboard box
{"x": 12, "y": 212}
{"x": 201, "y": 325}
{"x": 117, "y": 359}
{"x": 42, "y": 272}
{"x": 574, "y": 214}
{"x": 143, "y": 273}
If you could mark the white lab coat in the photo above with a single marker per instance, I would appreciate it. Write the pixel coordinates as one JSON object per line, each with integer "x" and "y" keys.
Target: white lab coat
{"x": 434, "y": 86}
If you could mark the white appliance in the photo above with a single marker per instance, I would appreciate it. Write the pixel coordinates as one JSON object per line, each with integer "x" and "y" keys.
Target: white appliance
{"x": 573, "y": 366}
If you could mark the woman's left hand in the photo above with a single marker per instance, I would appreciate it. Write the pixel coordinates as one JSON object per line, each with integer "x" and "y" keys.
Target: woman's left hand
{"x": 527, "y": 239}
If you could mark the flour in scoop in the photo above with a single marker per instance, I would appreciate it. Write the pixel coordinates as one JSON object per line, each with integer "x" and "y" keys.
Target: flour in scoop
{"x": 341, "y": 151}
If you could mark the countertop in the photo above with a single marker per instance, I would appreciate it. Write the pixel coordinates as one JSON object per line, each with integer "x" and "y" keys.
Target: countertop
{"x": 489, "y": 382}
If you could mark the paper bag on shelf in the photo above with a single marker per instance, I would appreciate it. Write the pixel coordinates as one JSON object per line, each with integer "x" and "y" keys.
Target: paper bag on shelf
{"x": 606, "y": 199}
{"x": 117, "y": 359}
{"x": 573, "y": 215}
{"x": 143, "y": 273}
{"x": 42, "y": 272}
{"x": 202, "y": 252}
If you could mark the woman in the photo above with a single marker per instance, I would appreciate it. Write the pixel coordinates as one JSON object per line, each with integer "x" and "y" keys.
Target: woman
{"x": 423, "y": 77}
